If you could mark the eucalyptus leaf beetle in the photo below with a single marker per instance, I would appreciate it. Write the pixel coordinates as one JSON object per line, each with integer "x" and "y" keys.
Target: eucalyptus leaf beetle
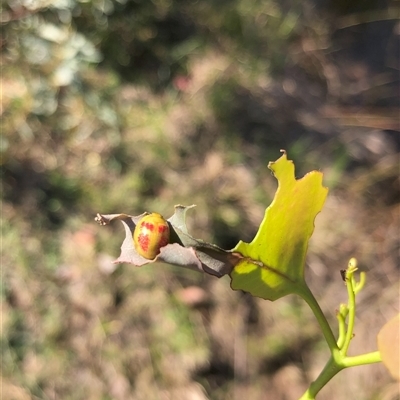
{"x": 150, "y": 234}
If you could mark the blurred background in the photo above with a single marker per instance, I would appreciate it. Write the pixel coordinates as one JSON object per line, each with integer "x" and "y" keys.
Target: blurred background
{"x": 135, "y": 105}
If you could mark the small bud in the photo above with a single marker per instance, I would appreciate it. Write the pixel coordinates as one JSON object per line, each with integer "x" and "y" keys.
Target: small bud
{"x": 343, "y": 310}
{"x": 352, "y": 264}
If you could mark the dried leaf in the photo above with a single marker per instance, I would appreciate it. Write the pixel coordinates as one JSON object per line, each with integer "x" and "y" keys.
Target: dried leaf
{"x": 389, "y": 346}
{"x": 183, "y": 250}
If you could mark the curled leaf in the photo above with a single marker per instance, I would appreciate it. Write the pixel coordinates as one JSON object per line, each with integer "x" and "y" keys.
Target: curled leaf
{"x": 183, "y": 250}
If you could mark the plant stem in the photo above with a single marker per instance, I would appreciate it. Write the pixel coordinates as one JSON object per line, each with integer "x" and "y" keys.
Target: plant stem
{"x": 305, "y": 293}
{"x": 342, "y": 330}
{"x": 331, "y": 367}
{"x": 330, "y": 370}
{"x": 368, "y": 358}
{"x": 352, "y": 312}
{"x": 339, "y": 359}
{"x": 335, "y": 364}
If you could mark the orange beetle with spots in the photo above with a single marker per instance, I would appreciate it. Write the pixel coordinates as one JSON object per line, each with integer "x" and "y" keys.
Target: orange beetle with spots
{"x": 150, "y": 234}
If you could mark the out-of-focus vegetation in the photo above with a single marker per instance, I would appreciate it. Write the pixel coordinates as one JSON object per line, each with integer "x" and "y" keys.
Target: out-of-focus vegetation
{"x": 131, "y": 106}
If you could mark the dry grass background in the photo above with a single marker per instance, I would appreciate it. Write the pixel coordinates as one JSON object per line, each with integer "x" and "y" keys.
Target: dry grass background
{"x": 73, "y": 326}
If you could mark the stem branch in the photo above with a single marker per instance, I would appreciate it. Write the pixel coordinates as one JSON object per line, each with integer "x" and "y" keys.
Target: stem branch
{"x": 368, "y": 358}
{"x": 351, "y": 315}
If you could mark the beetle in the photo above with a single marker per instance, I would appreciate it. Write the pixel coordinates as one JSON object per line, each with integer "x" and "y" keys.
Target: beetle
{"x": 150, "y": 234}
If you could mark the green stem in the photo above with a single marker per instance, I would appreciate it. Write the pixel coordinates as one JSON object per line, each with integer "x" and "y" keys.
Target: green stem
{"x": 305, "y": 293}
{"x": 361, "y": 282}
{"x": 363, "y": 359}
{"x": 342, "y": 330}
{"x": 332, "y": 367}
{"x": 339, "y": 348}
{"x": 330, "y": 370}
{"x": 351, "y": 306}
{"x": 335, "y": 364}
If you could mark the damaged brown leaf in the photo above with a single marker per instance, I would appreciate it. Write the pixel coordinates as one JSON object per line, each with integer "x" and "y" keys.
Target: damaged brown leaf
{"x": 183, "y": 249}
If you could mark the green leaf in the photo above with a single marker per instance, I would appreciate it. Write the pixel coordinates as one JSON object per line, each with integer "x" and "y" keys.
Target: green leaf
{"x": 273, "y": 263}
